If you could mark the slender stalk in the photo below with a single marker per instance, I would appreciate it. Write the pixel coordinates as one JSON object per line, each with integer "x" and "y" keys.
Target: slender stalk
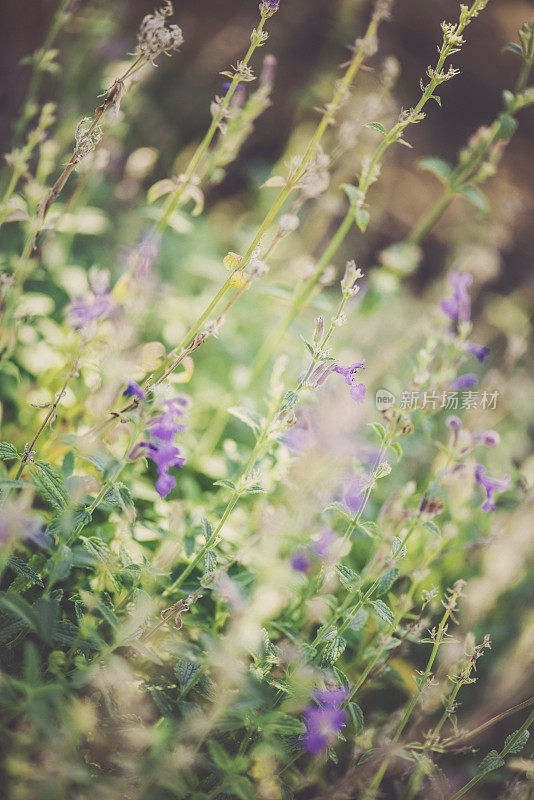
{"x": 505, "y": 750}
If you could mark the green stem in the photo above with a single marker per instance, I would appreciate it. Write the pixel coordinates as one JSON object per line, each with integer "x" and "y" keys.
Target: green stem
{"x": 506, "y": 749}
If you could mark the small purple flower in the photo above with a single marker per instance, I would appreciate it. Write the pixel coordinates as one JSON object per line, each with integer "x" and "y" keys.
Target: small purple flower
{"x": 85, "y": 311}
{"x": 324, "y": 723}
{"x": 458, "y": 307}
{"x": 300, "y": 561}
{"x": 332, "y": 698}
{"x": 489, "y": 438}
{"x": 455, "y": 423}
{"x": 464, "y": 382}
{"x": 134, "y": 390}
{"x": 324, "y": 545}
{"x": 350, "y": 372}
{"x": 491, "y": 486}
{"x": 476, "y": 350}
{"x": 357, "y": 390}
{"x": 160, "y": 448}
{"x": 354, "y": 492}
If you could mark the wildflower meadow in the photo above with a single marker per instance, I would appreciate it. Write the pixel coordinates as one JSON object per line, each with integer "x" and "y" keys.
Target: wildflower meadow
{"x": 266, "y": 394}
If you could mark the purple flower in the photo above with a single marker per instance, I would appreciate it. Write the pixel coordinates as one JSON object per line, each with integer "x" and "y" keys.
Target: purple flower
{"x": 354, "y": 492}
{"x": 324, "y": 545}
{"x": 332, "y": 698}
{"x": 478, "y": 351}
{"x": 491, "y": 486}
{"x": 134, "y": 390}
{"x": 357, "y": 390}
{"x": 349, "y": 373}
{"x": 458, "y": 307}
{"x": 464, "y": 381}
{"x": 455, "y": 423}
{"x": 84, "y": 311}
{"x": 324, "y": 723}
{"x": 489, "y": 438}
{"x": 160, "y": 448}
{"x": 300, "y": 561}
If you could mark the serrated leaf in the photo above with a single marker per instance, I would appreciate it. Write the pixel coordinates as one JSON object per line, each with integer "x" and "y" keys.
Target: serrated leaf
{"x": 347, "y": 576}
{"x": 386, "y": 581}
{"x": 518, "y": 745}
{"x": 398, "y": 549}
{"x": 226, "y": 484}
{"x": 477, "y": 198}
{"x": 383, "y": 611}
{"x": 248, "y": 417}
{"x": 207, "y": 529}
{"x": 356, "y": 715}
{"x": 50, "y": 484}
{"x": 508, "y": 126}
{"x": 377, "y": 126}
{"x": 333, "y": 651}
{"x": 379, "y": 430}
{"x": 210, "y": 561}
{"x": 437, "y": 166}
{"x": 8, "y": 451}
{"x": 21, "y": 568}
{"x": 186, "y": 671}
{"x": 358, "y": 621}
{"x": 492, "y": 761}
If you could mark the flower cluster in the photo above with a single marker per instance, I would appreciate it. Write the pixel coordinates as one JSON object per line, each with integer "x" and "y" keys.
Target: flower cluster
{"x": 84, "y": 312}
{"x": 269, "y": 7}
{"x": 324, "y": 722}
{"x": 160, "y": 447}
{"x": 155, "y": 37}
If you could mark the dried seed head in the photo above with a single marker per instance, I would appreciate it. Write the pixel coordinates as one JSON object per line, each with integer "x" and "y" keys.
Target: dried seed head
{"x": 87, "y": 136}
{"x": 155, "y": 37}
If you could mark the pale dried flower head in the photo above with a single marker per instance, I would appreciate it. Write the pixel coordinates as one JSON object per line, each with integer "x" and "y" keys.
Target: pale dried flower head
{"x": 155, "y": 37}
{"x": 87, "y": 136}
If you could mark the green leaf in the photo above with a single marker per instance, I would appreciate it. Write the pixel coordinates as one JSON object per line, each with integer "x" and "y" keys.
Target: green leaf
{"x": 289, "y": 400}
{"x": 210, "y": 561}
{"x": 386, "y": 581}
{"x": 383, "y": 611}
{"x": 477, "y": 198}
{"x": 518, "y": 745}
{"x": 50, "y": 484}
{"x": 248, "y": 417}
{"x": 21, "y": 568}
{"x": 18, "y": 607}
{"x": 397, "y": 449}
{"x": 380, "y": 431}
{"x": 207, "y": 529}
{"x": 333, "y": 651}
{"x": 8, "y": 451}
{"x": 492, "y": 761}
{"x": 508, "y": 126}
{"x": 226, "y": 484}
{"x": 348, "y": 577}
{"x": 187, "y": 673}
{"x": 362, "y": 218}
{"x": 514, "y": 48}
{"x": 431, "y": 526}
{"x": 377, "y": 126}
{"x": 437, "y": 166}
{"x": 356, "y": 715}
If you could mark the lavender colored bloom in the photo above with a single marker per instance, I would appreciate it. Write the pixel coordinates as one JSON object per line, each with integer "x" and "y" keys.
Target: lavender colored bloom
{"x": 349, "y": 373}
{"x": 455, "y": 423}
{"x": 491, "y": 486}
{"x": 160, "y": 448}
{"x": 478, "y": 351}
{"x": 84, "y": 311}
{"x": 458, "y": 307}
{"x": 324, "y": 723}
{"x": 354, "y": 492}
{"x": 489, "y": 438}
{"x": 134, "y": 390}
{"x": 300, "y": 561}
{"x": 464, "y": 382}
{"x": 357, "y": 390}
{"x": 323, "y": 546}
{"x": 332, "y": 698}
